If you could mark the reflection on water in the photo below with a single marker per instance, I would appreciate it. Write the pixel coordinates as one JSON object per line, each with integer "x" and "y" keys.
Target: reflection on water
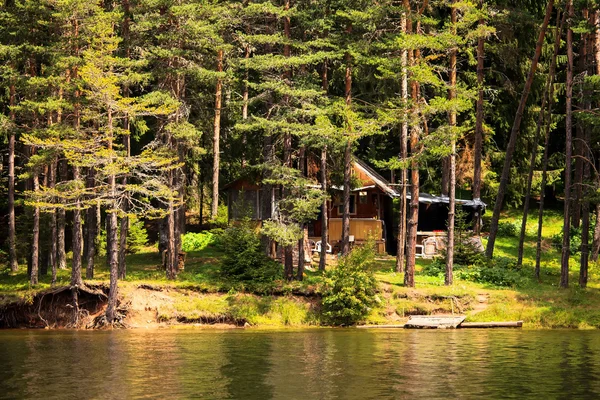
{"x": 302, "y": 364}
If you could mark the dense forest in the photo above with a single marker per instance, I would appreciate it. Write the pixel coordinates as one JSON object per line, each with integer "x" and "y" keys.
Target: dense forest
{"x": 115, "y": 113}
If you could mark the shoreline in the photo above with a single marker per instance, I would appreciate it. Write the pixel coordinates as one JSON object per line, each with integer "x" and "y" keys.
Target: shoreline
{"x": 165, "y": 306}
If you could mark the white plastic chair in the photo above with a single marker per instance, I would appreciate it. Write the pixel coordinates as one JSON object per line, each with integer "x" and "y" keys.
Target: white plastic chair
{"x": 318, "y": 247}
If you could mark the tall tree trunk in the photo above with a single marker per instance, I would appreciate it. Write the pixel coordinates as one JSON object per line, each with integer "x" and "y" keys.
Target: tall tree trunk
{"x": 452, "y": 160}
{"x": 534, "y": 146}
{"x": 578, "y": 145}
{"x": 124, "y": 223}
{"x": 35, "y": 245}
{"x": 324, "y": 211}
{"x": 596, "y": 51}
{"x": 588, "y": 46}
{"x": 61, "y": 254}
{"x": 347, "y": 158}
{"x": 528, "y": 191}
{"x": 478, "y": 145}
{"x": 514, "y": 133}
{"x": 92, "y": 230}
{"x": 401, "y": 247}
{"x": 548, "y": 120}
{"x": 566, "y": 250}
{"x": 12, "y": 241}
{"x": 53, "y": 224}
{"x": 245, "y": 101}
{"x": 216, "y": 138}
{"x": 111, "y": 236}
{"x": 76, "y": 279}
{"x": 171, "y": 266}
{"x": 413, "y": 217}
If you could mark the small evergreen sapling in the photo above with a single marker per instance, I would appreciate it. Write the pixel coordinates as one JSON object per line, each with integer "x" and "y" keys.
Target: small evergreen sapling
{"x": 350, "y": 289}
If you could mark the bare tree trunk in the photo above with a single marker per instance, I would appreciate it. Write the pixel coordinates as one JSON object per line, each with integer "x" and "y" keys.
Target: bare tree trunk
{"x": 216, "y": 138}
{"x": 92, "y": 231}
{"x": 76, "y": 279}
{"x": 534, "y": 145}
{"x": 324, "y": 210}
{"x": 111, "y": 237}
{"x": 123, "y": 232}
{"x": 61, "y": 254}
{"x": 324, "y": 213}
{"x": 514, "y": 133}
{"x": 52, "y": 171}
{"x": 566, "y": 250}
{"x": 452, "y": 161}
{"x": 588, "y": 46}
{"x": 171, "y": 266}
{"x": 413, "y": 217}
{"x": 347, "y": 159}
{"x": 35, "y": 245}
{"x": 245, "y": 101}
{"x": 401, "y": 247}
{"x": 124, "y": 225}
{"x": 413, "y": 221}
{"x": 445, "y": 176}
{"x": 301, "y": 253}
{"x": 12, "y": 241}
{"x": 478, "y": 145}
{"x": 113, "y": 262}
{"x": 551, "y": 73}
{"x": 596, "y": 51}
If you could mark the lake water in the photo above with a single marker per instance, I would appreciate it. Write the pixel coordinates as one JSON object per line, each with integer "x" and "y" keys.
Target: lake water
{"x": 300, "y": 364}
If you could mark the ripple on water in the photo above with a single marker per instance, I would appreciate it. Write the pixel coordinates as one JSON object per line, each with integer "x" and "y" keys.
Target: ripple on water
{"x": 300, "y": 364}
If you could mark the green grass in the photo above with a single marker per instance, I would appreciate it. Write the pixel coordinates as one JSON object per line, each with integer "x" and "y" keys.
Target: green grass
{"x": 200, "y": 293}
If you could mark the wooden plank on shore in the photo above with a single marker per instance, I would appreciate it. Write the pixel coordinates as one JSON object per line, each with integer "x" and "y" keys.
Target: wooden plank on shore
{"x": 434, "y": 322}
{"x": 508, "y": 324}
{"x": 381, "y": 326}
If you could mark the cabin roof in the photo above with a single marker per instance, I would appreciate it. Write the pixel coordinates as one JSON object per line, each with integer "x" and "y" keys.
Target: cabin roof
{"x": 373, "y": 180}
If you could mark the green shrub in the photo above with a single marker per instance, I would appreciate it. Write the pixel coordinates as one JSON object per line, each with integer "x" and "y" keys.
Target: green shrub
{"x": 509, "y": 229}
{"x": 350, "y": 289}
{"x": 575, "y": 239}
{"x": 435, "y": 268}
{"x": 196, "y": 241}
{"x": 137, "y": 238}
{"x": 244, "y": 259}
{"x": 500, "y": 271}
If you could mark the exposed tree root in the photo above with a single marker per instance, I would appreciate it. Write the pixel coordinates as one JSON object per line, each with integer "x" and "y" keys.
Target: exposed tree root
{"x": 64, "y": 307}
{"x": 101, "y": 322}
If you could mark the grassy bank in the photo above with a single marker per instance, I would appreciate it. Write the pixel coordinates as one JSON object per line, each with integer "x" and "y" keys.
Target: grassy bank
{"x": 200, "y": 295}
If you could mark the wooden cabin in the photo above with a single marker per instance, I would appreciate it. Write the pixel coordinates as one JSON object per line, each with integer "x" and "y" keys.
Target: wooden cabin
{"x": 371, "y": 209}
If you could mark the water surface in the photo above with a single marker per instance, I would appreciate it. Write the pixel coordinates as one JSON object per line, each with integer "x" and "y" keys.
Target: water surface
{"x": 302, "y": 364}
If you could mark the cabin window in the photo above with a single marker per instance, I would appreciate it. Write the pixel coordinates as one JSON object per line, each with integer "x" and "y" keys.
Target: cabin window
{"x": 362, "y": 197}
{"x": 352, "y": 205}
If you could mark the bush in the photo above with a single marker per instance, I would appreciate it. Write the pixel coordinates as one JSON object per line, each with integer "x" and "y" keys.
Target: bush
{"x": 509, "y": 229}
{"x": 575, "y": 239}
{"x": 350, "y": 289}
{"x": 500, "y": 271}
{"x": 196, "y": 241}
{"x": 435, "y": 268}
{"x": 244, "y": 259}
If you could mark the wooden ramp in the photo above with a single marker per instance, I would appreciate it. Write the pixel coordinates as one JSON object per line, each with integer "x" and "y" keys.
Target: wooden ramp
{"x": 444, "y": 322}
{"x": 434, "y": 322}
